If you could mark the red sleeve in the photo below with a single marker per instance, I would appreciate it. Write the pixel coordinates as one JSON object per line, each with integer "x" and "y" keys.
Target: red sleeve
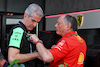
{"x": 59, "y": 51}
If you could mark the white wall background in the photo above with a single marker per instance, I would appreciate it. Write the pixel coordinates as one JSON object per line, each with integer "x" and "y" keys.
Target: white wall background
{"x": 12, "y": 21}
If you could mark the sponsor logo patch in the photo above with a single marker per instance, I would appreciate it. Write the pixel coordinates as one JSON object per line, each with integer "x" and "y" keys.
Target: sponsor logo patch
{"x": 80, "y": 58}
{"x": 60, "y": 45}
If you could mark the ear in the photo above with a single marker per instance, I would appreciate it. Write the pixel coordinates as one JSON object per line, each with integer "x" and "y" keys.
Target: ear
{"x": 68, "y": 26}
{"x": 25, "y": 15}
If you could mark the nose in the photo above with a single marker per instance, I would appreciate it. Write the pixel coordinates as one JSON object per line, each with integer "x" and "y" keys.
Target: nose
{"x": 56, "y": 25}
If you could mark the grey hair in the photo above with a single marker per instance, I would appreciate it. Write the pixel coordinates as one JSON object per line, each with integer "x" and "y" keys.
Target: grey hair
{"x": 66, "y": 20}
{"x": 34, "y": 8}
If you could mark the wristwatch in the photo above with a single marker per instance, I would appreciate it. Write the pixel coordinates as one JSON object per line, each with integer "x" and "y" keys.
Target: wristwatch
{"x": 39, "y": 41}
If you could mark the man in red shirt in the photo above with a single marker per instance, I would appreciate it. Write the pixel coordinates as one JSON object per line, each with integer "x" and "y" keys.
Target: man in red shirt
{"x": 71, "y": 48}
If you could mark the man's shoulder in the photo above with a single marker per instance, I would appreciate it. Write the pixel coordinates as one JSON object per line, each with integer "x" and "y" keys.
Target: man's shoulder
{"x": 76, "y": 39}
{"x": 16, "y": 29}
{"x": 16, "y": 26}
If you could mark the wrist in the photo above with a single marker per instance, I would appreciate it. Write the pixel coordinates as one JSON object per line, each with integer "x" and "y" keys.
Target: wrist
{"x": 39, "y": 41}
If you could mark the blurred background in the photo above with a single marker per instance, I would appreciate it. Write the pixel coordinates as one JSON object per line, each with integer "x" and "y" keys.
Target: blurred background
{"x": 11, "y": 11}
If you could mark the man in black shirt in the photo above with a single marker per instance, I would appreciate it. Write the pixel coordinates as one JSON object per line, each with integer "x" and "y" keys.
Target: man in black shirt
{"x": 19, "y": 45}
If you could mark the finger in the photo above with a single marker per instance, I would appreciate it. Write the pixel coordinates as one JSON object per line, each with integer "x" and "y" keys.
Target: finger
{"x": 29, "y": 34}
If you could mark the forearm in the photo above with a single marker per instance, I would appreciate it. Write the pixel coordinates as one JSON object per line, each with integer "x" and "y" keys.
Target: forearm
{"x": 26, "y": 57}
{"x": 23, "y": 57}
{"x": 44, "y": 53}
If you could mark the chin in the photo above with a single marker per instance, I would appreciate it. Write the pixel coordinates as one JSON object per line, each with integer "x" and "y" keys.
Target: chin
{"x": 30, "y": 29}
{"x": 57, "y": 33}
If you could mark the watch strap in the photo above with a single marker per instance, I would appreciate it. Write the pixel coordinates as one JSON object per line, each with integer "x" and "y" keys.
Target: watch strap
{"x": 39, "y": 41}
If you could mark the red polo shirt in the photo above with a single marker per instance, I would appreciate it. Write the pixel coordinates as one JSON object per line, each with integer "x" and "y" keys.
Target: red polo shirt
{"x": 71, "y": 48}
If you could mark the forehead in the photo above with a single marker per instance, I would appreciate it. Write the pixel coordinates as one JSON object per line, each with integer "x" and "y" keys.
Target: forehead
{"x": 36, "y": 17}
{"x": 61, "y": 18}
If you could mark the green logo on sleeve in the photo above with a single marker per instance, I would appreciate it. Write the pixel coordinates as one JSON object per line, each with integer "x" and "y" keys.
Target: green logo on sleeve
{"x": 16, "y": 37}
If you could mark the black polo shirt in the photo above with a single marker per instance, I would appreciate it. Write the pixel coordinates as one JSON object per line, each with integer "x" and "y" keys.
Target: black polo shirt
{"x": 18, "y": 39}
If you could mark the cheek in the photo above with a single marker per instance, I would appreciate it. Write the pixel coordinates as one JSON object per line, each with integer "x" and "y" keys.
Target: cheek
{"x": 27, "y": 24}
{"x": 61, "y": 29}
{"x": 30, "y": 23}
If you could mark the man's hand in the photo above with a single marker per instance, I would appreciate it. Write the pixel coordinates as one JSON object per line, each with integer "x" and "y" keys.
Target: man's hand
{"x": 33, "y": 38}
{"x": 53, "y": 46}
{"x": 43, "y": 52}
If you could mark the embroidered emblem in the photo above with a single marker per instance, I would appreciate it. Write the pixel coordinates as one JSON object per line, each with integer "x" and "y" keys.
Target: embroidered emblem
{"x": 79, "y": 38}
